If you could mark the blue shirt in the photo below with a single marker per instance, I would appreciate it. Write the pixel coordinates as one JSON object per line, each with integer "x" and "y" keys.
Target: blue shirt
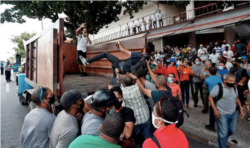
{"x": 15, "y": 68}
{"x": 222, "y": 72}
{"x": 212, "y": 81}
{"x": 2, "y": 64}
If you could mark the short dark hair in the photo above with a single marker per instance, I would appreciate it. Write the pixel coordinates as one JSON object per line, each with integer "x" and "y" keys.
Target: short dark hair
{"x": 118, "y": 89}
{"x": 213, "y": 70}
{"x": 222, "y": 62}
{"x": 128, "y": 81}
{"x": 150, "y": 47}
{"x": 35, "y": 97}
{"x": 169, "y": 110}
{"x": 113, "y": 125}
{"x": 197, "y": 58}
{"x": 172, "y": 74}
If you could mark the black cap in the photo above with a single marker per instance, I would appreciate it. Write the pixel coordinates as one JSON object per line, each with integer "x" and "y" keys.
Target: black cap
{"x": 115, "y": 82}
{"x": 70, "y": 97}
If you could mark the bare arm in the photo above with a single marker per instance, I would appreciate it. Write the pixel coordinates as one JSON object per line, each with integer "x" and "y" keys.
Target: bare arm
{"x": 241, "y": 110}
{"x": 216, "y": 112}
{"x": 179, "y": 96}
{"x": 79, "y": 29}
{"x": 152, "y": 75}
{"x": 89, "y": 40}
{"x": 128, "y": 129}
{"x": 143, "y": 80}
{"x": 124, "y": 50}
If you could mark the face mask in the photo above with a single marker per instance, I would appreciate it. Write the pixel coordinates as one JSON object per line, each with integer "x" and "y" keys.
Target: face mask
{"x": 111, "y": 111}
{"x": 154, "y": 118}
{"x": 154, "y": 63}
{"x": 235, "y": 65}
{"x": 118, "y": 104}
{"x": 230, "y": 84}
{"x": 197, "y": 63}
{"x": 201, "y": 47}
{"x": 176, "y": 55}
{"x": 80, "y": 109}
{"x": 52, "y": 100}
{"x": 220, "y": 67}
{"x": 170, "y": 80}
{"x": 168, "y": 60}
{"x": 207, "y": 67}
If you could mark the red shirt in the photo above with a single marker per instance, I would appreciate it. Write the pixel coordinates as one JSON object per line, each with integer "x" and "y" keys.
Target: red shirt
{"x": 161, "y": 70}
{"x": 168, "y": 137}
{"x": 172, "y": 69}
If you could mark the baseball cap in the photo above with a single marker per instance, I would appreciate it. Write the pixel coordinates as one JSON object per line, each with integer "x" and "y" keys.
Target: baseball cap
{"x": 115, "y": 82}
{"x": 173, "y": 60}
{"x": 243, "y": 57}
{"x": 70, "y": 97}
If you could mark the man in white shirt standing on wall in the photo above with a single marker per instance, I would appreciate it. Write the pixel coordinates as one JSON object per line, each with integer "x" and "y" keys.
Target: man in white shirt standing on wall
{"x": 160, "y": 17}
{"x": 82, "y": 41}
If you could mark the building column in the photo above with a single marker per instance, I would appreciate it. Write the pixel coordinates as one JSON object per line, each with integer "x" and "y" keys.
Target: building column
{"x": 190, "y": 10}
{"x": 192, "y": 39}
{"x": 229, "y": 34}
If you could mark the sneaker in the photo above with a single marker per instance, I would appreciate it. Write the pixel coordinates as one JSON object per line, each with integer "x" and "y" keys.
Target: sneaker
{"x": 85, "y": 74}
{"x": 209, "y": 127}
{"x": 82, "y": 75}
{"x": 204, "y": 111}
{"x": 195, "y": 105}
{"x": 248, "y": 116}
{"x": 84, "y": 61}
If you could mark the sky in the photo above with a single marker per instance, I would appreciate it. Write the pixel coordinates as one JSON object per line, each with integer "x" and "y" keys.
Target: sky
{"x": 9, "y": 29}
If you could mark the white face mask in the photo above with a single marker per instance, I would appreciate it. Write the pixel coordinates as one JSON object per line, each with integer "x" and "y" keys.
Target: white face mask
{"x": 154, "y": 118}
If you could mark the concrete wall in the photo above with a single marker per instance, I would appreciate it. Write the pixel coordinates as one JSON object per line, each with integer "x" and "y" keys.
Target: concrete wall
{"x": 158, "y": 44}
{"x": 148, "y": 10}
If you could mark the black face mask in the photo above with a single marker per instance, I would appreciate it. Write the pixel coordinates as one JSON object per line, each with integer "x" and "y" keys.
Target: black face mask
{"x": 230, "y": 84}
{"x": 80, "y": 109}
{"x": 52, "y": 100}
{"x": 118, "y": 104}
{"x": 235, "y": 65}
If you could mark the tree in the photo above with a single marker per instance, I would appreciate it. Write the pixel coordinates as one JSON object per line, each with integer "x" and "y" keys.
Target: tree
{"x": 96, "y": 14}
{"x": 19, "y": 41}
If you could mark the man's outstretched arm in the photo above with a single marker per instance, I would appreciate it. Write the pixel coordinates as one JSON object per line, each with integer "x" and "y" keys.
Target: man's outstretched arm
{"x": 124, "y": 50}
{"x": 145, "y": 91}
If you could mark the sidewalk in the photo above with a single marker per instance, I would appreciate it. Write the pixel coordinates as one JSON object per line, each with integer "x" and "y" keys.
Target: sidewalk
{"x": 194, "y": 127}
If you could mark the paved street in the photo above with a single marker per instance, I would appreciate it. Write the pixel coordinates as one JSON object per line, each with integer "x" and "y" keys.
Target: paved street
{"x": 12, "y": 115}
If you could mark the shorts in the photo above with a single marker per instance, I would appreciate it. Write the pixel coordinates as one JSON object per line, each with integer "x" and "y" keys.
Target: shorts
{"x": 80, "y": 53}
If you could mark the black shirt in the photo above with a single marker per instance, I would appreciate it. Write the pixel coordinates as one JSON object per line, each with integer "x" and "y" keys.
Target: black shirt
{"x": 127, "y": 114}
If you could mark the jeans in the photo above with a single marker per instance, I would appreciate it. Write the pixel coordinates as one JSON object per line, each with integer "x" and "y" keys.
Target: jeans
{"x": 145, "y": 27}
{"x": 145, "y": 128}
{"x": 161, "y": 23}
{"x": 185, "y": 89}
{"x": 113, "y": 59}
{"x": 191, "y": 85}
{"x": 205, "y": 97}
{"x": 7, "y": 75}
{"x": 139, "y": 28}
{"x": 128, "y": 31}
{"x": 1, "y": 70}
{"x": 155, "y": 24}
{"x": 226, "y": 126}
{"x": 198, "y": 86}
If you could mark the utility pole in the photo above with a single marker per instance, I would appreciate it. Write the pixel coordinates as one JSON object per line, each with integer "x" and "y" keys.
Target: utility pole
{"x": 42, "y": 23}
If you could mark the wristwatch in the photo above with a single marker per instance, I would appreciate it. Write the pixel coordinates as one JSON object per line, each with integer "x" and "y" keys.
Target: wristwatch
{"x": 242, "y": 108}
{"x": 136, "y": 78}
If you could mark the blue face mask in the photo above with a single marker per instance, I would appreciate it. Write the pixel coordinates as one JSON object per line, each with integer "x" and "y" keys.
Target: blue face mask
{"x": 176, "y": 55}
{"x": 111, "y": 111}
{"x": 168, "y": 60}
{"x": 220, "y": 67}
{"x": 248, "y": 72}
{"x": 170, "y": 80}
{"x": 197, "y": 63}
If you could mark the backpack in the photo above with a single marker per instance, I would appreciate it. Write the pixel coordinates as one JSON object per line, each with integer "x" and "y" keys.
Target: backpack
{"x": 140, "y": 68}
{"x": 179, "y": 106}
{"x": 220, "y": 94}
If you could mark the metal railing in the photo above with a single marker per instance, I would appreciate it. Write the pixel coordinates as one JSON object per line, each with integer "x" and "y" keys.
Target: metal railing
{"x": 169, "y": 20}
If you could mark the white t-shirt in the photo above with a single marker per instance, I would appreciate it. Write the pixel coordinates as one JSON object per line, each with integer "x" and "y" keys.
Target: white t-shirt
{"x": 229, "y": 54}
{"x": 82, "y": 43}
{"x": 160, "y": 16}
{"x": 154, "y": 18}
{"x": 229, "y": 65}
{"x": 223, "y": 46}
{"x": 214, "y": 58}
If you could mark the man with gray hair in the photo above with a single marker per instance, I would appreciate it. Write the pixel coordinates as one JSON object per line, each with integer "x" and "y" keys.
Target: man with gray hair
{"x": 223, "y": 99}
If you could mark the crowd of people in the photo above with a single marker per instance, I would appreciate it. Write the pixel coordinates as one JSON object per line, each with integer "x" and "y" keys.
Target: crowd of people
{"x": 143, "y": 110}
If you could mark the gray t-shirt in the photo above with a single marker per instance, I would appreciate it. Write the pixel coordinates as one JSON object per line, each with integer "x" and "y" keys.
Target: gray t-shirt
{"x": 36, "y": 128}
{"x": 197, "y": 70}
{"x": 64, "y": 131}
{"x": 91, "y": 124}
{"x": 204, "y": 74}
{"x": 227, "y": 104}
{"x": 150, "y": 85}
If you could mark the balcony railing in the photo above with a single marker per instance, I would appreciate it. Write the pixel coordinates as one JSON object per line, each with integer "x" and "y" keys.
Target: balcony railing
{"x": 169, "y": 20}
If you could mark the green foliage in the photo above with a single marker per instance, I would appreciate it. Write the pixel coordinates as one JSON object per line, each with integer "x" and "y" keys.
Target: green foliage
{"x": 96, "y": 13}
{"x": 18, "y": 40}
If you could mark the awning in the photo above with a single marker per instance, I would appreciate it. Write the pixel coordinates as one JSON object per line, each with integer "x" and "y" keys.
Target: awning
{"x": 209, "y": 31}
{"x": 243, "y": 30}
